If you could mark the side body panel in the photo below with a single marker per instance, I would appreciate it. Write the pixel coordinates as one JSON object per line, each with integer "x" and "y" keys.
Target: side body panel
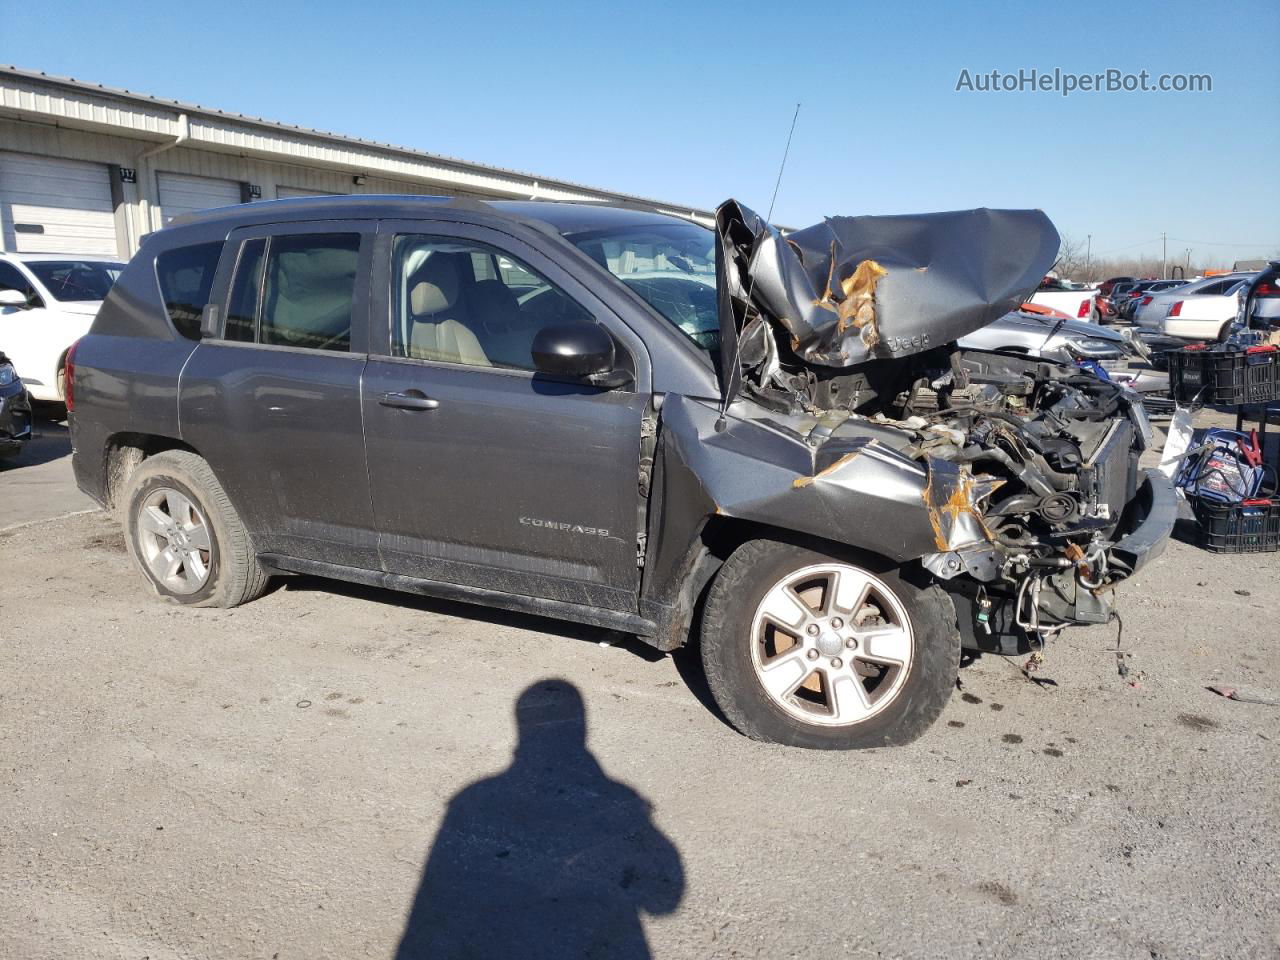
{"x": 510, "y": 484}
{"x": 282, "y": 431}
{"x": 853, "y": 488}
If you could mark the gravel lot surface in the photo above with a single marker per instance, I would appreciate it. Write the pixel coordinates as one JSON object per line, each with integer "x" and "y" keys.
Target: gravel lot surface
{"x": 331, "y": 770}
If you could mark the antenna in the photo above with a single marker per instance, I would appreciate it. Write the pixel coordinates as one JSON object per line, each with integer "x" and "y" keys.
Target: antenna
{"x": 777, "y": 183}
{"x": 733, "y": 376}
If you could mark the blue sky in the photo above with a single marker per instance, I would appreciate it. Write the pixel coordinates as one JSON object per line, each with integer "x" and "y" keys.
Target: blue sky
{"x": 691, "y": 102}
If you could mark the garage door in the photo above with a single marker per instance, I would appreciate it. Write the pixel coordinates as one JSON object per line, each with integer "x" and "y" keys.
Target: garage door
{"x": 283, "y": 193}
{"x": 181, "y": 193}
{"x": 50, "y": 205}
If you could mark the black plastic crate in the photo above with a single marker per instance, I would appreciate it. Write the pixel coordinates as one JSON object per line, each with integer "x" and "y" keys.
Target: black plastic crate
{"x": 1186, "y": 376}
{"x": 1249, "y": 527}
{"x": 1226, "y": 377}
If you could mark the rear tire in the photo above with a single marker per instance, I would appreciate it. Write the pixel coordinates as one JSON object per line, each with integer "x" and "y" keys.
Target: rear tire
{"x": 185, "y": 536}
{"x": 852, "y": 622}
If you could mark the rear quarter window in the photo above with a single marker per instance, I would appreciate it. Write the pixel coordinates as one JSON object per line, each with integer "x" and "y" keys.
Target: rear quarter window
{"x": 1213, "y": 289}
{"x": 186, "y": 277}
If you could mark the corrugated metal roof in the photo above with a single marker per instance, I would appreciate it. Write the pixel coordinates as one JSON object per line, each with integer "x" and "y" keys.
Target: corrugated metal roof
{"x": 142, "y": 113}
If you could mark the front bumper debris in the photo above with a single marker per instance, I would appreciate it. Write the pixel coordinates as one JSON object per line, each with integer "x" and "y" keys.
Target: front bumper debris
{"x": 1157, "y": 504}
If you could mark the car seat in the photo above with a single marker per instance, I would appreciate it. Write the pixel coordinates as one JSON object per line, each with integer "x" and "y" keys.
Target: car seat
{"x": 506, "y": 336}
{"x": 439, "y": 330}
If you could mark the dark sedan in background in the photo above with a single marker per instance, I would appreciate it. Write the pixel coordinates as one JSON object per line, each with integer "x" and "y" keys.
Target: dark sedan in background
{"x": 15, "y": 411}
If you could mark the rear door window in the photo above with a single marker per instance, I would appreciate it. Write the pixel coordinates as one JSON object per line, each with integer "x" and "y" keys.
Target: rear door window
{"x": 246, "y": 291}
{"x": 295, "y": 290}
{"x": 186, "y": 277}
{"x": 308, "y": 291}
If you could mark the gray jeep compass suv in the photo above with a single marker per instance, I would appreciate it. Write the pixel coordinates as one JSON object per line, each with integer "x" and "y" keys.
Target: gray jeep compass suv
{"x": 772, "y": 445}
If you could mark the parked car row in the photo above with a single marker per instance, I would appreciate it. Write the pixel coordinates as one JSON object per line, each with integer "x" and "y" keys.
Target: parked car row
{"x": 1126, "y": 298}
{"x": 1202, "y": 309}
{"x": 1175, "y": 311}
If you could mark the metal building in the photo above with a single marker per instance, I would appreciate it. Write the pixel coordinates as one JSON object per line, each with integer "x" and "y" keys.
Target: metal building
{"x": 89, "y": 169}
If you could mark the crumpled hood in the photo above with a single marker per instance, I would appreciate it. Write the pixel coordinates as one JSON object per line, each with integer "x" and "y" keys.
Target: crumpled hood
{"x": 853, "y": 289}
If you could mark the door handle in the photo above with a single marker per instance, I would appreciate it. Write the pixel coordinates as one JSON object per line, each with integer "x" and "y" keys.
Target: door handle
{"x": 409, "y": 400}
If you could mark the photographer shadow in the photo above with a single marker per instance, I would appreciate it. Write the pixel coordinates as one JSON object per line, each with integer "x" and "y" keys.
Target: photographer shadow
{"x": 549, "y": 858}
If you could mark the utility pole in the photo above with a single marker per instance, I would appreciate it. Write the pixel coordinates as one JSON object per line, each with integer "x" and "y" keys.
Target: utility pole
{"x": 1164, "y": 258}
{"x": 1088, "y": 255}
{"x": 1187, "y": 269}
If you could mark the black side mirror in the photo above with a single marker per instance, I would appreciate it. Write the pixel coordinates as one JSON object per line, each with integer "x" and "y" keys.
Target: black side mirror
{"x": 578, "y": 351}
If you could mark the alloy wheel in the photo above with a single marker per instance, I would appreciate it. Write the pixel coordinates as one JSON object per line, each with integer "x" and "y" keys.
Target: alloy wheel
{"x": 174, "y": 540}
{"x": 831, "y": 644}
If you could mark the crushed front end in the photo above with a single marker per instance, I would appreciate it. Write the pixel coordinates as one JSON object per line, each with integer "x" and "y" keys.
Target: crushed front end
{"x": 1051, "y": 509}
{"x": 1032, "y": 489}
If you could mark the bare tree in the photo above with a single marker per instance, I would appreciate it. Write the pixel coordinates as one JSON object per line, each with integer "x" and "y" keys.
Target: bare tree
{"x": 1071, "y": 263}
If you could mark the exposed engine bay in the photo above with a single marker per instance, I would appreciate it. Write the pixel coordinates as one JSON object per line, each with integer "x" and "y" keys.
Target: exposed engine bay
{"x": 1033, "y": 486}
{"x": 1054, "y": 455}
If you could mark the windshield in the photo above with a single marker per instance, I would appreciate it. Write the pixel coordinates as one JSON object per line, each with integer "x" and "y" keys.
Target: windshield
{"x": 672, "y": 267}
{"x": 76, "y": 279}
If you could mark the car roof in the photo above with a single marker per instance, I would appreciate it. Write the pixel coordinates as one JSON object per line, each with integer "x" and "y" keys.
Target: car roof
{"x": 37, "y": 257}
{"x": 1223, "y": 276}
{"x": 566, "y": 218}
{"x": 572, "y": 218}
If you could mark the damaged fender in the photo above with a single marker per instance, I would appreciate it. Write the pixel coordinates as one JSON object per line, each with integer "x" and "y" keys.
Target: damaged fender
{"x": 853, "y": 487}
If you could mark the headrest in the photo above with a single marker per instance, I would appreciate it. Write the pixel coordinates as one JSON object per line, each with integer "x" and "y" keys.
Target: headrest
{"x": 434, "y": 286}
{"x": 427, "y": 298}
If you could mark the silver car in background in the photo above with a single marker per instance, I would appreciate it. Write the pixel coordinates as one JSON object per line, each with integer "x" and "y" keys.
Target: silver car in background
{"x": 1054, "y": 338}
{"x": 1150, "y": 314}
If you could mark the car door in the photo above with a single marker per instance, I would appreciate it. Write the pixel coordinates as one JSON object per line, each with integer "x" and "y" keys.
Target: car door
{"x": 272, "y": 398}
{"x": 482, "y": 472}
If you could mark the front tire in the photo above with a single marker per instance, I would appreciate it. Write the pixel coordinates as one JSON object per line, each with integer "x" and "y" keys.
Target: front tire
{"x": 813, "y": 650}
{"x": 185, "y": 536}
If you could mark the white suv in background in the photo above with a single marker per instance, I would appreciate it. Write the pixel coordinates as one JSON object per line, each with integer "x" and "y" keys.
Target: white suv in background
{"x": 47, "y": 302}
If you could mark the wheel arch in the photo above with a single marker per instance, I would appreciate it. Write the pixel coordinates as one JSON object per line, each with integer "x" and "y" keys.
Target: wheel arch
{"x": 718, "y": 538}
{"x": 124, "y": 451}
